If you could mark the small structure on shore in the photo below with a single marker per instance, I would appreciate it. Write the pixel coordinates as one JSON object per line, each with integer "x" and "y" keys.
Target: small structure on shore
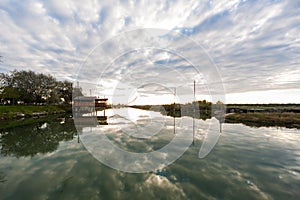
{"x": 101, "y": 103}
{"x": 89, "y": 105}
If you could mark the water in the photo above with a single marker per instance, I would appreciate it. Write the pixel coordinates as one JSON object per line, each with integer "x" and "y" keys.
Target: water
{"x": 45, "y": 161}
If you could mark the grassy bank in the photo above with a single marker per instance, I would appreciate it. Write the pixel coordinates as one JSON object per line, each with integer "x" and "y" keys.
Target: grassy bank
{"x": 22, "y": 111}
{"x": 288, "y": 119}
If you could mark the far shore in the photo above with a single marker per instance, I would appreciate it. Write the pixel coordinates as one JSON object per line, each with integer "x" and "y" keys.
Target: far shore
{"x": 254, "y": 115}
{"x": 279, "y": 115}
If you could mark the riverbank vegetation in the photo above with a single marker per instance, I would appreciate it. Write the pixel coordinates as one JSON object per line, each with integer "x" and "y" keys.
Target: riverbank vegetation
{"x": 255, "y": 115}
{"x": 179, "y": 110}
{"x": 286, "y": 119}
{"x": 26, "y": 111}
{"x": 26, "y": 94}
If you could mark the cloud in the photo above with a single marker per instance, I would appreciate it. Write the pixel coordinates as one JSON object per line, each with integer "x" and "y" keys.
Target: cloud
{"x": 255, "y": 44}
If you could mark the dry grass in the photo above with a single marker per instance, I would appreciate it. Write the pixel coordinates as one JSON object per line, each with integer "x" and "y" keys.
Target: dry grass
{"x": 289, "y": 120}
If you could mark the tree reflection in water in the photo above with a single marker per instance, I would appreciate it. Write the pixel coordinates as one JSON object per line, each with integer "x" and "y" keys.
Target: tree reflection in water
{"x": 41, "y": 137}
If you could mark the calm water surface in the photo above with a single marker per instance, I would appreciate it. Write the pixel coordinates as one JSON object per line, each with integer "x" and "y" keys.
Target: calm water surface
{"x": 45, "y": 161}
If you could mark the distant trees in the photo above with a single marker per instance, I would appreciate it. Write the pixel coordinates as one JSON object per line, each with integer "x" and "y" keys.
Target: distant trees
{"x": 29, "y": 87}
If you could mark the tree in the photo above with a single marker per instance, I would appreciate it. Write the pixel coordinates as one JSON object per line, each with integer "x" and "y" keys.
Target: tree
{"x": 65, "y": 91}
{"x": 33, "y": 88}
{"x": 11, "y": 94}
{"x": 219, "y": 102}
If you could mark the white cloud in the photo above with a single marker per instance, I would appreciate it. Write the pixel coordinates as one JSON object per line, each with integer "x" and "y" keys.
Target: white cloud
{"x": 269, "y": 96}
{"x": 255, "y": 44}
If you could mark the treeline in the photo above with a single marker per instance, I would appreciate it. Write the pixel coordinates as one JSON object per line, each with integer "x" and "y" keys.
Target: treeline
{"x": 30, "y": 88}
{"x": 177, "y": 110}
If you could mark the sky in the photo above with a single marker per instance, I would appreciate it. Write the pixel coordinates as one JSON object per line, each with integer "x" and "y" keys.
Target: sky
{"x": 140, "y": 52}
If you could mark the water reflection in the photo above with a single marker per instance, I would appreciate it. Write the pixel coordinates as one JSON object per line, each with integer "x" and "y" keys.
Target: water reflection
{"x": 121, "y": 143}
{"x": 137, "y": 140}
{"x": 2, "y": 177}
{"x": 247, "y": 163}
{"x": 41, "y": 137}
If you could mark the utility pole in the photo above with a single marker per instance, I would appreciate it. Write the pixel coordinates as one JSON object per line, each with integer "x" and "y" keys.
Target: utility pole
{"x": 174, "y": 109}
{"x": 174, "y": 95}
{"x": 194, "y": 90}
{"x": 194, "y": 103}
{"x": 77, "y": 108}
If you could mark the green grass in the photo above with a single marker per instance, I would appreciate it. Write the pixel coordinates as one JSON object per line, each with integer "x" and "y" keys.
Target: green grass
{"x": 10, "y": 112}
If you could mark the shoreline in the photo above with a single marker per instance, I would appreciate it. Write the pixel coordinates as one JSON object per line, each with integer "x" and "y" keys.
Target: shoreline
{"x": 256, "y": 115}
{"x": 32, "y": 120}
{"x": 11, "y": 116}
{"x": 265, "y": 119}
{"x": 19, "y": 115}
{"x": 31, "y": 111}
